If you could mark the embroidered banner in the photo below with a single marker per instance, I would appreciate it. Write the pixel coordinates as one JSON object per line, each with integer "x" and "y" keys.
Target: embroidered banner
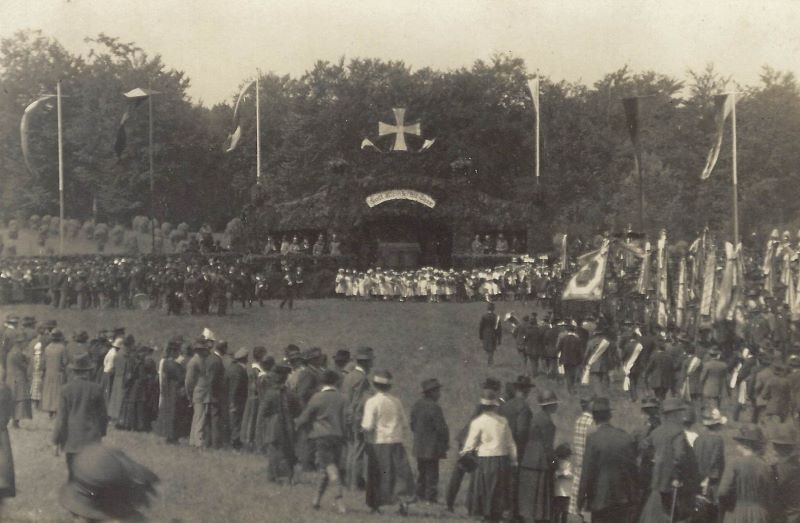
{"x": 400, "y": 194}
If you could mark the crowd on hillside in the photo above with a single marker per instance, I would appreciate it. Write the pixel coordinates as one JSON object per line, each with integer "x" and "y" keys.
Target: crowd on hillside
{"x": 338, "y": 416}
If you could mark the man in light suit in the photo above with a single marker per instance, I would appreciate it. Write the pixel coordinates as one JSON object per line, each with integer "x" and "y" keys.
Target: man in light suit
{"x": 198, "y": 387}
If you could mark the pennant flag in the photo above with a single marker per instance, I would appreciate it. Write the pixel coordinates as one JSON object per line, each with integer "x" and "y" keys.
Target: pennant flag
{"x": 768, "y": 267}
{"x": 533, "y": 85}
{"x": 366, "y": 143}
{"x": 681, "y": 298}
{"x": 135, "y": 98}
{"x": 643, "y": 282}
{"x": 697, "y": 252}
{"x": 709, "y": 284}
{"x": 723, "y": 105}
{"x": 662, "y": 287}
{"x": 236, "y": 135}
{"x": 425, "y": 145}
{"x": 730, "y": 288}
{"x": 23, "y": 130}
{"x": 564, "y": 257}
{"x": 587, "y": 283}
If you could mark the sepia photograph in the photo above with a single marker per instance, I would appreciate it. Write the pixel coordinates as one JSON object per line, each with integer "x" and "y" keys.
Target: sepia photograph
{"x": 522, "y": 261}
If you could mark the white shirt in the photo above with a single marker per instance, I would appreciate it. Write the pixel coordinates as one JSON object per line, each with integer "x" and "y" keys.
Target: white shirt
{"x": 108, "y": 361}
{"x": 384, "y": 415}
{"x": 490, "y": 435}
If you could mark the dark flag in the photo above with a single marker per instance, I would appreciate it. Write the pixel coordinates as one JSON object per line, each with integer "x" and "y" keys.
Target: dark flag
{"x": 631, "y": 106}
{"x": 135, "y": 98}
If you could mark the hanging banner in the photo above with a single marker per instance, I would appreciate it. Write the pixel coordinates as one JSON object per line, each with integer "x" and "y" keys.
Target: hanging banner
{"x": 400, "y": 194}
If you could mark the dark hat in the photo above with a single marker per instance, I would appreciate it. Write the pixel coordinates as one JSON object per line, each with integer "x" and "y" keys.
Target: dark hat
{"x": 129, "y": 341}
{"x": 241, "y": 354}
{"x": 650, "y": 402}
{"x": 784, "y": 434}
{"x": 382, "y": 377}
{"x": 364, "y": 354}
{"x": 750, "y": 434}
{"x": 81, "y": 337}
{"x": 118, "y": 331}
{"x": 57, "y": 335}
{"x": 489, "y": 398}
{"x": 293, "y": 353}
{"x": 106, "y": 484}
{"x": 50, "y": 324}
{"x": 28, "y": 321}
{"x": 201, "y": 344}
{"x": 491, "y": 384}
{"x": 601, "y": 405}
{"x": 672, "y": 405}
{"x": 312, "y": 353}
{"x": 81, "y": 361}
{"x": 431, "y": 384}
{"x": 524, "y": 383}
{"x": 281, "y": 369}
{"x": 342, "y": 355}
{"x": 547, "y": 397}
{"x": 13, "y": 319}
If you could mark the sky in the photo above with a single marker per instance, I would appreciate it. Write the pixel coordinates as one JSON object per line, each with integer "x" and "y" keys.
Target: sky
{"x": 218, "y": 43}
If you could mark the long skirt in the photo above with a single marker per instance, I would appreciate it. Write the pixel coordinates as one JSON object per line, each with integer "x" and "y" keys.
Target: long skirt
{"x": 249, "y": 421}
{"x": 536, "y": 491}
{"x": 389, "y": 476}
{"x": 7, "y": 483}
{"x": 198, "y": 435}
{"x": 658, "y": 507}
{"x": 490, "y": 488}
{"x": 22, "y": 409}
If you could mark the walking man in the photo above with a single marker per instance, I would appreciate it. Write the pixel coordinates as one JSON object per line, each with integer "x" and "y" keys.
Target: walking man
{"x": 431, "y": 439}
{"x": 490, "y": 331}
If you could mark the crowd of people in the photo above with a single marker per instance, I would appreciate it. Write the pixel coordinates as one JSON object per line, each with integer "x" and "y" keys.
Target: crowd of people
{"x": 338, "y": 417}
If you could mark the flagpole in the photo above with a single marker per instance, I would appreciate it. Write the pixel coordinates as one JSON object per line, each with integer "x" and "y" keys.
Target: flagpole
{"x": 538, "y": 118}
{"x": 152, "y": 178}
{"x": 258, "y": 132}
{"x": 60, "y": 172}
{"x": 734, "y": 173}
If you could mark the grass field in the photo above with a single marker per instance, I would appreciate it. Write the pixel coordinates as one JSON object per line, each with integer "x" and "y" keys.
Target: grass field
{"x": 414, "y": 340}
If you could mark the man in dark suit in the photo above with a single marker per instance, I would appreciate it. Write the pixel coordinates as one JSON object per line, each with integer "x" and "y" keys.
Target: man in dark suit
{"x": 570, "y": 349}
{"x": 218, "y": 407}
{"x": 490, "y": 331}
{"x": 533, "y": 346}
{"x": 519, "y": 415}
{"x": 713, "y": 379}
{"x": 431, "y": 439}
{"x": 658, "y": 373}
{"x": 236, "y": 384}
{"x": 82, "y": 418}
{"x": 356, "y": 389}
{"x": 609, "y": 485}
{"x": 599, "y": 359}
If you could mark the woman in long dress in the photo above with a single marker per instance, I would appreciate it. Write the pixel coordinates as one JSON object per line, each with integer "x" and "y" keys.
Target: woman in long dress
{"x": 54, "y": 367}
{"x": 258, "y": 368}
{"x": 490, "y": 438}
{"x": 120, "y": 374}
{"x": 536, "y": 472}
{"x": 747, "y": 488}
{"x": 7, "y": 481}
{"x": 173, "y": 408}
{"x": 17, "y": 380}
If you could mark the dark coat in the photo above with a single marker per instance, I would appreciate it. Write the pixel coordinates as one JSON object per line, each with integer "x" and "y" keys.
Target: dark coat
{"x": 607, "y": 361}
{"x": 659, "y": 371}
{"x": 54, "y": 361}
{"x": 787, "y": 485}
{"x": 549, "y": 338}
{"x": 82, "y": 417}
{"x": 533, "y": 340}
{"x": 277, "y": 409}
{"x": 714, "y": 378}
{"x": 431, "y": 435}
{"x": 571, "y": 348}
{"x": 123, "y": 380}
{"x": 236, "y": 383}
{"x": 490, "y": 331}
{"x": 7, "y": 478}
{"x": 674, "y": 460}
{"x": 174, "y": 416}
{"x": 709, "y": 447}
{"x": 609, "y": 476}
{"x": 324, "y": 415}
{"x": 538, "y": 449}
{"x": 519, "y": 416}
{"x": 250, "y": 414}
{"x": 778, "y": 393}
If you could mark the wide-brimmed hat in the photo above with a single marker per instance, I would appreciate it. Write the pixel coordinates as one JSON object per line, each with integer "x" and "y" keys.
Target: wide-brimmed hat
{"x": 365, "y": 354}
{"x": 547, "y": 397}
{"x": 750, "y": 434}
{"x": 489, "y": 398}
{"x": 431, "y": 384}
{"x": 80, "y": 337}
{"x": 241, "y": 354}
{"x": 28, "y": 321}
{"x": 672, "y": 405}
{"x": 712, "y": 417}
{"x": 341, "y": 355}
{"x": 293, "y": 353}
{"x": 784, "y": 434}
{"x": 382, "y": 377}
{"x": 650, "y": 403}
{"x": 312, "y": 353}
{"x": 57, "y": 335}
{"x": 80, "y": 362}
{"x": 524, "y": 383}
{"x": 601, "y": 405}
{"x": 12, "y": 319}
{"x": 106, "y": 484}
{"x": 491, "y": 384}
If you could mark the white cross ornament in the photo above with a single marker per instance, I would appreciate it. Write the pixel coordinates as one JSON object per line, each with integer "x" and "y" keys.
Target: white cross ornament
{"x": 399, "y": 130}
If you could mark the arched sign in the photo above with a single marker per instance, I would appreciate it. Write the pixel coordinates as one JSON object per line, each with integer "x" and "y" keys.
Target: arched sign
{"x": 400, "y": 194}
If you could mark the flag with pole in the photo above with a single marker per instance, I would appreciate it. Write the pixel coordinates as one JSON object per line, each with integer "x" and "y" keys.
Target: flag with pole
{"x": 236, "y": 135}
{"x": 662, "y": 287}
{"x": 533, "y": 85}
{"x": 723, "y": 105}
{"x": 587, "y": 284}
{"x": 643, "y": 282}
{"x": 730, "y": 288}
{"x": 709, "y": 284}
{"x": 681, "y": 298}
{"x": 24, "y": 129}
{"x": 135, "y": 98}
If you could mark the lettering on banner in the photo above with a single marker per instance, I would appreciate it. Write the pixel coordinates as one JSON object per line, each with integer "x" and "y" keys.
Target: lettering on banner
{"x": 400, "y": 194}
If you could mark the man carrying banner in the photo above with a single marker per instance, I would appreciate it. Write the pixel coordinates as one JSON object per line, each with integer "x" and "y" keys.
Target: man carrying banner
{"x": 599, "y": 360}
{"x": 633, "y": 363}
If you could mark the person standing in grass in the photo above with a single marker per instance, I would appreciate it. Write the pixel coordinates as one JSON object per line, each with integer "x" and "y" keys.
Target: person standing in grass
{"x": 356, "y": 388}
{"x": 324, "y": 416}
{"x": 747, "y": 488}
{"x": 54, "y": 372}
{"x": 431, "y": 439}
{"x": 389, "y": 476}
{"x": 709, "y": 447}
{"x": 490, "y": 332}
{"x": 787, "y": 474}
{"x": 536, "y": 485}
{"x": 277, "y": 408}
{"x": 7, "y": 478}
{"x": 236, "y": 383}
{"x": 584, "y": 426}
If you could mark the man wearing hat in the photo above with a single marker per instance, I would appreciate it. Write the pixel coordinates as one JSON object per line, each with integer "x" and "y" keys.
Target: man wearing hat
{"x": 584, "y": 425}
{"x": 519, "y": 415}
{"x": 303, "y": 382}
{"x": 8, "y": 337}
{"x": 713, "y": 379}
{"x": 570, "y": 349}
{"x": 658, "y": 374}
{"x": 17, "y": 379}
{"x": 709, "y": 447}
{"x": 536, "y": 476}
{"x": 691, "y": 371}
{"x": 54, "y": 371}
{"x": 389, "y": 476}
{"x": 82, "y": 417}
{"x": 787, "y": 473}
{"x": 779, "y": 394}
{"x": 198, "y": 388}
{"x": 490, "y": 332}
{"x": 600, "y": 358}
{"x": 277, "y": 408}
{"x": 747, "y": 488}
{"x": 651, "y": 408}
{"x": 341, "y": 360}
{"x": 759, "y": 380}
{"x": 108, "y": 365}
{"x": 356, "y": 389}
{"x": 675, "y": 481}
{"x": 609, "y": 487}
{"x": 431, "y": 439}
{"x": 236, "y": 384}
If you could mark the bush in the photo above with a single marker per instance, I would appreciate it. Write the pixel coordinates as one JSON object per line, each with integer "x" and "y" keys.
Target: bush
{"x": 141, "y": 224}
{"x": 183, "y": 226}
{"x": 131, "y": 244}
{"x": 88, "y": 229}
{"x": 33, "y": 221}
{"x": 117, "y": 235}
{"x": 41, "y": 239}
{"x": 101, "y": 236}
{"x": 13, "y": 229}
{"x": 71, "y": 228}
{"x": 176, "y": 236}
{"x": 165, "y": 229}
{"x": 55, "y": 222}
{"x": 234, "y": 231}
